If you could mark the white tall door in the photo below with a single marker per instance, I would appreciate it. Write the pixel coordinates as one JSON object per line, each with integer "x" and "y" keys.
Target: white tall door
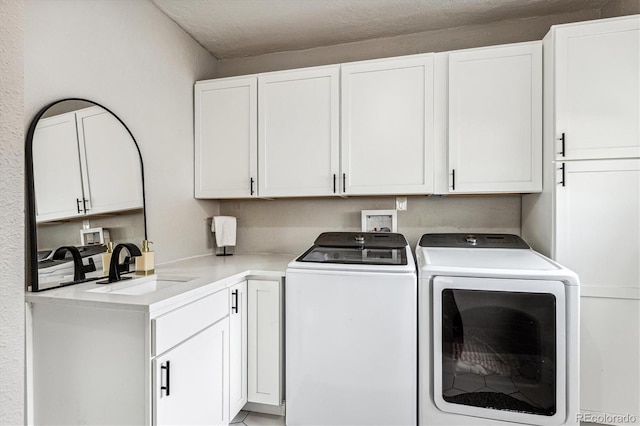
{"x": 112, "y": 171}
{"x": 598, "y": 89}
{"x": 298, "y": 132}
{"x": 387, "y": 126}
{"x": 495, "y": 119}
{"x": 237, "y": 348}
{"x": 226, "y": 138}
{"x": 598, "y": 225}
{"x": 191, "y": 380}
{"x": 56, "y": 165}
{"x": 265, "y": 342}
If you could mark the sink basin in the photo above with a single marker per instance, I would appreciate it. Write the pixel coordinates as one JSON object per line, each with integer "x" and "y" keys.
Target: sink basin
{"x": 139, "y": 286}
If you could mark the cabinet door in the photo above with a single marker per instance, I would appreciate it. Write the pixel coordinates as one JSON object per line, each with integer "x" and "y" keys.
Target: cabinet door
{"x": 237, "y": 348}
{"x": 265, "y": 342}
{"x": 111, "y": 165}
{"x": 191, "y": 380}
{"x": 387, "y": 126}
{"x": 598, "y": 206}
{"x": 298, "y": 131}
{"x": 495, "y": 119}
{"x": 226, "y": 138}
{"x": 598, "y": 89}
{"x": 56, "y": 169}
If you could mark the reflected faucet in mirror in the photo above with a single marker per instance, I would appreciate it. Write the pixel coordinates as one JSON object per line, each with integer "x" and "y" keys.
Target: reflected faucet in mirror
{"x": 71, "y": 150}
{"x": 79, "y": 269}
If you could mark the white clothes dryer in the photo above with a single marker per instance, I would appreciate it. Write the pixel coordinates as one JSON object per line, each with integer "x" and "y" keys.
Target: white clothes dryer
{"x": 351, "y": 332}
{"x": 498, "y": 333}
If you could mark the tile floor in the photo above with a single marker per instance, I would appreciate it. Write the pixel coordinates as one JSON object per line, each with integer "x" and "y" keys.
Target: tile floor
{"x": 247, "y": 418}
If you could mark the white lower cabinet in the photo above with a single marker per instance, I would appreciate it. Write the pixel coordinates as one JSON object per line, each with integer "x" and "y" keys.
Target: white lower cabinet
{"x": 265, "y": 358}
{"x": 93, "y": 365}
{"x": 190, "y": 380}
{"x": 237, "y": 348}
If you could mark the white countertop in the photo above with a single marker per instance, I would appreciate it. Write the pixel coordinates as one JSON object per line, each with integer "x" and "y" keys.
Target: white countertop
{"x": 210, "y": 273}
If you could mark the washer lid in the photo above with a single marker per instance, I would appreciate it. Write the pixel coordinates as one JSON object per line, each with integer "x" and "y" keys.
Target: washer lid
{"x": 361, "y": 240}
{"x": 469, "y": 240}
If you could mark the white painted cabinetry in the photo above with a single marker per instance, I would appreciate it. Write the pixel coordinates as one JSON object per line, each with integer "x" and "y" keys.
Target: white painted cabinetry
{"x": 57, "y": 138}
{"x": 494, "y": 126}
{"x": 237, "y": 348}
{"x": 587, "y": 217}
{"x": 85, "y": 163}
{"x": 189, "y": 383}
{"x": 265, "y": 359}
{"x": 226, "y": 122}
{"x": 597, "y": 89}
{"x": 387, "y": 126}
{"x": 298, "y": 132}
{"x": 113, "y": 365}
{"x": 598, "y": 225}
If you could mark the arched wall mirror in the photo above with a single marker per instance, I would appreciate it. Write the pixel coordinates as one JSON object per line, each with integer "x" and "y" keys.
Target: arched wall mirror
{"x": 85, "y": 187}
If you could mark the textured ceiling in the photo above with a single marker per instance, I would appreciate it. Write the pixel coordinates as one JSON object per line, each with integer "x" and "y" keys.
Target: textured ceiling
{"x": 238, "y": 28}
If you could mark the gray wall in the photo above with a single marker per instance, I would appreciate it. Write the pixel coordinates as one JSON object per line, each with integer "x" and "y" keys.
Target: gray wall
{"x": 290, "y": 226}
{"x": 11, "y": 214}
{"x": 133, "y": 59}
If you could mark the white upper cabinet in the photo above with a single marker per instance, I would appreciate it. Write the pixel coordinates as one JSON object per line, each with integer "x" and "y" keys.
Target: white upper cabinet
{"x": 85, "y": 162}
{"x": 298, "y": 132}
{"x": 387, "y": 126}
{"x": 226, "y": 164}
{"x": 56, "y": 164}
{"x": 111, "y": 172}
{"x": 597, "y": 89}
{"x": 494, "y": 119}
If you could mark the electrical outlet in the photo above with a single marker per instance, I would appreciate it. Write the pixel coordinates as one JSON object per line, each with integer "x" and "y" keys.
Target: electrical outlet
{"x": 401, "y": 203}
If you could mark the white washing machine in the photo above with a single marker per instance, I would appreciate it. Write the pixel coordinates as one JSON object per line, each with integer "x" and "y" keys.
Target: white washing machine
{"x": 351, "y": 332}
{"x": 498, "y": 333}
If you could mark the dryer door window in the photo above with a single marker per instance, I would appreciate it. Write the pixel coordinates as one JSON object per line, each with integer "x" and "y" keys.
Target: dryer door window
{"x": 500, "y": 347}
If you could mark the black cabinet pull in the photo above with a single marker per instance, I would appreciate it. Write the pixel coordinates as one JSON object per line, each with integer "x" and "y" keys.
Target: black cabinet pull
{"x": 78, "y": 205}
{"x": 562, "y": 141}
{"x": 251, "y": 186}
{"x": 344, "y": 182}
{"x": 234, "y": 305}
{"x": 167, "y": 378}
{"x": 453, "y": 179}
{"x": 562, "y": 169}
{"x": 334, "y": 183}
{"x": 84, "y": 204}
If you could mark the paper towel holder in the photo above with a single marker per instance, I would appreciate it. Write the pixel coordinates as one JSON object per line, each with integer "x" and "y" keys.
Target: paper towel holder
{"x": 224, "y": 252}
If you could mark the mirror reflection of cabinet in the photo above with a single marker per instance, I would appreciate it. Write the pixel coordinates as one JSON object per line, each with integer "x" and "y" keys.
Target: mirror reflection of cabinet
{"x": 84, "y": 170}
{"x": 84, "y": 163}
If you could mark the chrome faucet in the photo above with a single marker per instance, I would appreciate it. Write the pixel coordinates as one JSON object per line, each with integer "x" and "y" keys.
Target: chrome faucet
{"x": 115, "y": 267}
{"x": 79, "y": 269}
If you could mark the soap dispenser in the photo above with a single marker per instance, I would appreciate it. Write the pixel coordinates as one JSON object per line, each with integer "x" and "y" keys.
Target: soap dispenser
{"x": 145, "y": 262}
{"x": 106, "y": 258}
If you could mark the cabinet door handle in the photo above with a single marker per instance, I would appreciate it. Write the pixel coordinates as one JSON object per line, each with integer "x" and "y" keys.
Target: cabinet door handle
{"x": 78, "y": 205}
{"x": 84, "y": 204}
{"x": 251, "y": 186}
{"x": 234, "y": 305}
{"x": 562, "y": 169}
{"x": 334, "y": 183}
{"x": 344, "y": 182}
{"x": 562, "y": 143}
{"x": 167, "y": 379}
{"x": 453, "y": 179}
